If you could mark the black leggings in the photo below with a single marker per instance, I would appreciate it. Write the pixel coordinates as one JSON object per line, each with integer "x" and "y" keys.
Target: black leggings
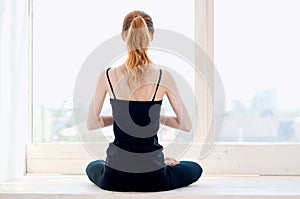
{"x": 167, "y": 178}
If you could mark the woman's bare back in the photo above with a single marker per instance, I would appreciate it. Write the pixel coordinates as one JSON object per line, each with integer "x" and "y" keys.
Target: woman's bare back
{"x": 143, "y": 91}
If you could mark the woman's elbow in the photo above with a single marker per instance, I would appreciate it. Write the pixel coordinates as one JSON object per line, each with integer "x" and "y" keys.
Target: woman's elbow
{"x": 91, "y": 126}
{"x": 186, "y": 126}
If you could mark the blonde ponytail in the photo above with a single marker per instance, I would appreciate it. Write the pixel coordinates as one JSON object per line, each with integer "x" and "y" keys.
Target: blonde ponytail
{"x": 137, "y": 41}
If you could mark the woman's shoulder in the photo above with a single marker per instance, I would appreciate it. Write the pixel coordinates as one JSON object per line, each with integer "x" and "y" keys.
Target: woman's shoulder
{"x": 164, "y": 71}
{"x": 115, "y": 68}
{"x": 166, "y": 75}
{"x": 112, "y": 71}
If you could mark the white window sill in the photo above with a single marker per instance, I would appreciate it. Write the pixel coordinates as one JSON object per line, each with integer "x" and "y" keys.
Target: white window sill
{"x": 224, "y": 159}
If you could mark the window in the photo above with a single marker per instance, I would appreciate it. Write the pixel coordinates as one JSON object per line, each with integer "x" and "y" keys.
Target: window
{"x": 256, "y": 46}
{"x": 66, "y": 32}
{"x": 228, "y": 31}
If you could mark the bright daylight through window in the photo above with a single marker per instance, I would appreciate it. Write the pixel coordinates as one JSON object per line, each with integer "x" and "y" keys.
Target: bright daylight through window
{"x": 256, "y": 51}
{"x": 63, "y": 39}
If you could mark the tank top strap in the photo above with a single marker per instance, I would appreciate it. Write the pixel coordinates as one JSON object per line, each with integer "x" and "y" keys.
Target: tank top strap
{"x": 159, "y": 78}
{"x": 112, "y": 90}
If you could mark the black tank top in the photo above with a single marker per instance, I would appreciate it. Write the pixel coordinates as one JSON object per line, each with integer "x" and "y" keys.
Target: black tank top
{"x": 135, "y": 148}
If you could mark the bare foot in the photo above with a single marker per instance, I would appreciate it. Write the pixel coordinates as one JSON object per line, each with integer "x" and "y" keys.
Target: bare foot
{"x": 171, "y": 161}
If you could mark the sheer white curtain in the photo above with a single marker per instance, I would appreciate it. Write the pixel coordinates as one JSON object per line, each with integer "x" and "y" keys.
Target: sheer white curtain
{"x": 13, "y": 87}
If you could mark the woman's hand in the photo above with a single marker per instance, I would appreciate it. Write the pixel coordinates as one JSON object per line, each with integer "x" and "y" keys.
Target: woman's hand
{"x": 171, "y": 161}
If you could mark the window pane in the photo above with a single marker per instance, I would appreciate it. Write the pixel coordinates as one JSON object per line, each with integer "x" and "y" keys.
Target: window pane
{"x": 257, "y": 47}
{"x": 65, "y": 32}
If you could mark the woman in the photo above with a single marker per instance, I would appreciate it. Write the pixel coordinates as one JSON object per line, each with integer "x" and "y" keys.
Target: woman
{"x": 135, "y": 161}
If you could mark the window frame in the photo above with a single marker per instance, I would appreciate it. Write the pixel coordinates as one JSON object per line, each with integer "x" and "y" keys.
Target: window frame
{"x": 225, "y": 158}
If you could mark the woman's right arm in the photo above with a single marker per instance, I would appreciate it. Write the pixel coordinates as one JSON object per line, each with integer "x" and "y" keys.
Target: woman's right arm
{"x": 182, "y": 120}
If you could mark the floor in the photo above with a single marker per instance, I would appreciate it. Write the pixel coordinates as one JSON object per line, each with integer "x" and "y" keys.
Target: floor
{"x": 79, "y": 187}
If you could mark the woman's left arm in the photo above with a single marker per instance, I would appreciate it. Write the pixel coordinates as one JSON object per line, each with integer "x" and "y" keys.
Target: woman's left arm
{"x": 94, "y": 121}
